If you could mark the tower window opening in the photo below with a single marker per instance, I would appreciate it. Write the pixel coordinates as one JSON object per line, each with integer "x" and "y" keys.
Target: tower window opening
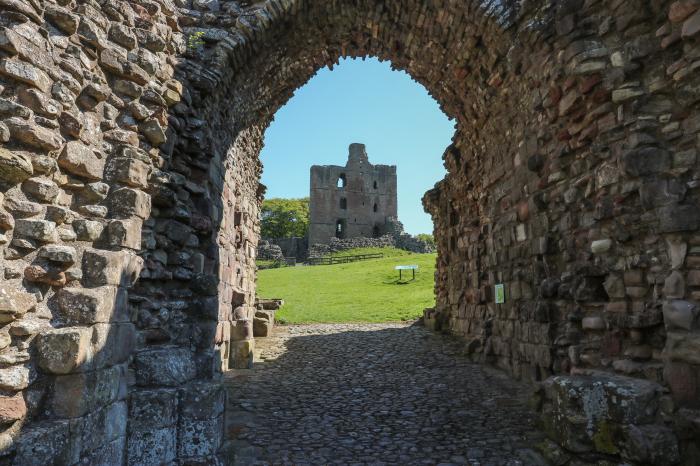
{"x": 341, "y": 181}
{"x": 343, "y": 203}
{"x": 375, "y": 207}
{"x": 340, "y": 229}
{"x": 375, "y": 185}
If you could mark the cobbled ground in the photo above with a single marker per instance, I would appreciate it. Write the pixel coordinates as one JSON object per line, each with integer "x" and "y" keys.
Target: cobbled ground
{"x": 374, "y": 394}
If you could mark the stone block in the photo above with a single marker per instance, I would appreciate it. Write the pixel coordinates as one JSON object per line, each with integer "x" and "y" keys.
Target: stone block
{"x": 45, "y": 443}
{"x": 99, "y": 428}
{"x": 128, "y": 202}
{"x": 25, "y": 73}
{"x": 46, "y": 274}
{"x": 120, "y": 268}
{"x": 12, "y": 408}
{"x": 85, "y": 306}
{"x": 14, "y": 303}
{"x": 202, "y": 401}
{"x": 683, "y": 347}
{"x": 88, "y": 230}
{"x": 654, "y": 445}
{"x": 199, "y": 438}
{"x": 81, "y": 160}
{"x": 112, "y": 453}
{"x": 242, "y": 330}
{"x": 677, "y": 218}
{"x": 75, "y": 395}
{"x": 65, "y": 350}
{"x": 587, "y": 412}
{"x": 125, "y": 233}
{"x": 112, "y": 343}
{"x": 58, "y": 253}
{"x": 41, "y": 189}
{"x": 646, "y": 161}
{"x": 263, "y": 323}
{"x": 150, "y": 410}
{"x": 679, "y": 315}
{"x": 131, "y": 172}
{"x": 14, "y": 167}
{"x": 40, "y": 230}
{"x": 152, "y": 448}
{"x": 168, "y": 367}
{"x": 241, "y": 354}
{"x": 684, "y": 382}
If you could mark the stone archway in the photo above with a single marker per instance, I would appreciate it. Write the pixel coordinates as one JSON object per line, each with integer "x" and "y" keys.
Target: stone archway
{"x": 134, "y": 128}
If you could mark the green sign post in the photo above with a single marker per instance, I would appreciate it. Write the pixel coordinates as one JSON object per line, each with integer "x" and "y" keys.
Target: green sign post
{"x": 500, "y": 293}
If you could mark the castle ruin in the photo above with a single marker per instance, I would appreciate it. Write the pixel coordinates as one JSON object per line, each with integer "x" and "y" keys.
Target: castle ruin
{"x": 351, "y": 201}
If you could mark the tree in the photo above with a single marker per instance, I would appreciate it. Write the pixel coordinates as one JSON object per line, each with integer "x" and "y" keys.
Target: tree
{"x": 427, "y": 238}
{"x": 284, "y": 218}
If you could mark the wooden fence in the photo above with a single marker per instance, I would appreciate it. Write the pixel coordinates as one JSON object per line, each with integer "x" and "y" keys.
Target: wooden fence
{"x": 284, "y": 262}
{"x": 342, "y": 259}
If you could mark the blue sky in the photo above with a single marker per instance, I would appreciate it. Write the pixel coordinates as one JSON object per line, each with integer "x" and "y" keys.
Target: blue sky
{"x": 365, "y": 102}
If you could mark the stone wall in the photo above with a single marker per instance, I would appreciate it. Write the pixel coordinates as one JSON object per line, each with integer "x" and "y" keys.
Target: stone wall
{"x": 129, "y": 141}
{"x": 351, "y": 201}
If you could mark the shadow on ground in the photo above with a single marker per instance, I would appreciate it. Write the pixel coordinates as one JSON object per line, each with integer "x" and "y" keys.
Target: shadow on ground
{"x": 374, "y": 394}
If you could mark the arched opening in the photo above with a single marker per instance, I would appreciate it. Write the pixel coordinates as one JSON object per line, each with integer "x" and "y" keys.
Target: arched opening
{"x": 340, "y": 184}
{"x": 376, "y": 232}
{"x": 343, "y": 203}
{"x": 375, "y": 208}
{"x": 374, "y": 185}
{"x": 151, "y": 167}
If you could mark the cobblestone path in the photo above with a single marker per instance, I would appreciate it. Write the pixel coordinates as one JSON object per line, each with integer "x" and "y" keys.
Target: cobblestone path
{"x": 374, "y": 394}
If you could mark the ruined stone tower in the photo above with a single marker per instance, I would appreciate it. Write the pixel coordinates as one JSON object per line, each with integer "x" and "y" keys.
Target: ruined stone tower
{"x": 350, "y": 201}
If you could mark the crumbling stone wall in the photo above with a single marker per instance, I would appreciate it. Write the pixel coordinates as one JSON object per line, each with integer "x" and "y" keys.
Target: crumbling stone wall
{"x": 130, "y": 134}
{"x": 351, "y": 201}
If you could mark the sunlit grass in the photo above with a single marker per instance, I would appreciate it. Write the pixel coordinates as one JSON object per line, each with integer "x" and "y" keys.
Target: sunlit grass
{"x": 365, "y": 291}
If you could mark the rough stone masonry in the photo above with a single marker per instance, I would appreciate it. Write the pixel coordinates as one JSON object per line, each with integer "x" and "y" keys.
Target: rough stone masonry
{"x": 130, "y": 134}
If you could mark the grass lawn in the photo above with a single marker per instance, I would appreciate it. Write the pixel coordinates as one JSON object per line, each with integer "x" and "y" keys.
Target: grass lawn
{"x": 365, "y": 291}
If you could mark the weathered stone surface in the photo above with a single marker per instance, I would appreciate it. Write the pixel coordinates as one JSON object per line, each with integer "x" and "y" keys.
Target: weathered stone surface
{"x": 655, "y": 445}
{"x": 128, "y": 202}
{"x": 683, "y": 347}
{"x": 153, "y": 447}
{"x": 81, "y": 160}
{"x": 14, "y": 168}
{"x": 12, "y": 408}
{"x": 41, "y": 189}
{"x": 125, "y": 233}
{"x": 75, "y": 395}
{"x": 15, "y": 378}
{"x": 263, "y": 323}
{"x": 25, "y": 73}
{"x": 40, "y": 230}
{"x": 88, "y": 230}
{"x": 58, "y": 253}
{"x": 168, "y": 367}
{"x": 679, "y": 315}
{"x": 586, "y": 412}
{"x": 34, "y": 135}
{"x": 65, "y": 350}
{"x": 110, "y": 268}
{"x": 14, "y": 303}
{"x": 85, "y": 306}
{"x": 62, "y": 18}
{"x": 45, "y": 443}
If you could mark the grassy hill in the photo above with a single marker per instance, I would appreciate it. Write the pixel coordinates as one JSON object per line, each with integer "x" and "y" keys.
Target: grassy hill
{"x": 366, "y": 291}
